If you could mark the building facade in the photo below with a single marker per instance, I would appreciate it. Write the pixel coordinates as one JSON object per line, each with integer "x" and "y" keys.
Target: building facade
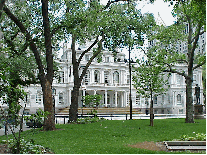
{"x": 110, "y": 78}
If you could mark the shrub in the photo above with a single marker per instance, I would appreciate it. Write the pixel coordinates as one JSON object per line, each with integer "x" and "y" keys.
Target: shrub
{"x": 198, "y": 136}
{"x": 26, "y": 147}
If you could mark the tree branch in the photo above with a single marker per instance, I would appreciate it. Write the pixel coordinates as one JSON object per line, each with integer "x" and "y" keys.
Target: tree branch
{"x": 87, "y": 50}
{"x": 175, "y": 71}
{"x": 91, "y": 59}
{"x": 29, "y": 38}
{"x": 199, "y": 65}
{"x": 199, "y": 35}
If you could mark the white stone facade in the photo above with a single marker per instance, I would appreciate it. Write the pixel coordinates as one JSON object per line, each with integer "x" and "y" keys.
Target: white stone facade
{"x": 111, "y": 80}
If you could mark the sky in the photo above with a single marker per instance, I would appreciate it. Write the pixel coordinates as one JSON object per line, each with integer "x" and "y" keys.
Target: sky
{"x": 158, "y": 7}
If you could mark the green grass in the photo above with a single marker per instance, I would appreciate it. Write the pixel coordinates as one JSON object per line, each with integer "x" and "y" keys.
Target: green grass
{"x": 113, "y": 137}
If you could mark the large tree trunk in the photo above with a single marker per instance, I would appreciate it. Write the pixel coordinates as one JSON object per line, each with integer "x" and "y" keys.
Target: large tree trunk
{"x": 73, "y": 112}
{"x": 189, "y": 101}
{"x": 49, "y": 123}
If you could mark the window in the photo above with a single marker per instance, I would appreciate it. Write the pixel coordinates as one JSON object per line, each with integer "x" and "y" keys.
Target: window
{"x": 61, "y": 98}
{"x": 106, "y": 77}
{"x": 180, "y": 111}
{"x": 38, "y": 97}
{"x": 138, "y": 99}
{"x": 87, "y": 77}
{"x": 155, "y": 99}
{"x": 87, "y": 58}
{"x": 116, "y": 77}
{"x": 128, "y": 79}
{"x": 96, "y": 76}
{"x": 178, "y": 98}
{"x": 178, "y": 78}
{"x": 108, "y": 99}
{"x": 61, "y": 77}
{"x": 106, "y": 59}
{"x": 163, "y": 99}
{"x": 155, "y": 111}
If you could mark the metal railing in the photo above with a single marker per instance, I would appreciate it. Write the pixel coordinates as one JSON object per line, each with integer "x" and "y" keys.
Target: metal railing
{"x": 63, "y": 119}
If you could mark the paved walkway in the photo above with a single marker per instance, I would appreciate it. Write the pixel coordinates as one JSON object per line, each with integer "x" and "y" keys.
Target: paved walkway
{"x": 2, "y": 130}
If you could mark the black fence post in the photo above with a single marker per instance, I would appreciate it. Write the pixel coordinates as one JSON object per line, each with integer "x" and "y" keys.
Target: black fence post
{"x": 126, "y": 116}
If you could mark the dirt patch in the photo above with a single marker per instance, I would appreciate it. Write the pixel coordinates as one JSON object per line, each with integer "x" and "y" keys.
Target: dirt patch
{"x": 158, "y": 146}
{"x": 4, "y": 149}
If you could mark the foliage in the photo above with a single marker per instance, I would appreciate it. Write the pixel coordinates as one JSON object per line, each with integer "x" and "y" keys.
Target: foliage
{"x": 38, "y": 117}
{"x": 148, "y": 75}
{"x": 198, "y": 137}
{"x": 18, "y": 144}
{"x": 26, "y": 147}
{"x": 92, "y": 100}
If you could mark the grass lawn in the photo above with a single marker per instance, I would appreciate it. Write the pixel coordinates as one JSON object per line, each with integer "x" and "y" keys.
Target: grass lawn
{"x": 113, "y": 137}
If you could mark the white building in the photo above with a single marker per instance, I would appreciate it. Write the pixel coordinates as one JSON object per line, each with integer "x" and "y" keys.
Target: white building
{"x": 110, "y": 79}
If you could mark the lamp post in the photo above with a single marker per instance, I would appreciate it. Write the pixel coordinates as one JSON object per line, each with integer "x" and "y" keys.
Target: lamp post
{"x": 130, "y": 76}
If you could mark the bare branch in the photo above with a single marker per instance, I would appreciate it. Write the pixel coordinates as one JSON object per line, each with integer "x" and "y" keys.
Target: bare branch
{"x": 175, "y": 71}
{"x": 91, "y": 59}
{"x": 87, "y": 50}
{"x": 199, "y": 65}
{"x": 196, "y": 36}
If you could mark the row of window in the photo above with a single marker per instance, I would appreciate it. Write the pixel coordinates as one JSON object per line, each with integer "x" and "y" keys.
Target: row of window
{"x": 106, "y": 77}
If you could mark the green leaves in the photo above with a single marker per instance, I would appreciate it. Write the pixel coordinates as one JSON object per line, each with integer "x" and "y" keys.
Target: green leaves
{"x": 148, "y": 75}
{"x": 92, "y": 100}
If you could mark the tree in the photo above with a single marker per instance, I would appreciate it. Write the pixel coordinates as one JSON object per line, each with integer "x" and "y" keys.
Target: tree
{"x": 92, "y": 100}
{"x": 191, "y": 20}
{"x": 33, "y": 22}
{"x": 149, "y": 79}
{"x": 109, "y": 25}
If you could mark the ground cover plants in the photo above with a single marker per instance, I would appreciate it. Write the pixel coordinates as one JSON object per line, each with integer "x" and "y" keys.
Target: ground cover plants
{"x": 113, "y": 136}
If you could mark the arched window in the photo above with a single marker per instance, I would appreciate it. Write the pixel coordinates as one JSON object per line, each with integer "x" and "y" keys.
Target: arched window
{"x": 155, "y": 99}
{"x": 96, "y": 76}
{"x": 61, "y": 98}
{"x": 116, "y": 77}
{"x": 179, "y": 98}
{"x": 87, "y": 77}
{"x": 106, "y": 77}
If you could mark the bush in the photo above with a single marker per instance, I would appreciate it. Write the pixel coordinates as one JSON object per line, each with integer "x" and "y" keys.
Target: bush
{"x": 26, "y": 147}
{"x": 198, "y": 136}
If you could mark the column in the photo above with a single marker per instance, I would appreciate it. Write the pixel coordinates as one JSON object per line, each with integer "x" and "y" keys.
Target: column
{"x": 105, "y": 98}
{"x": 122, "y": 99}
{"x": 115, "y": 98}
{"x": 69, "y": 97}
{"x": 94, "y": 92}
{"x": 125, "y": 99}
{"x": 102, "y": 76}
